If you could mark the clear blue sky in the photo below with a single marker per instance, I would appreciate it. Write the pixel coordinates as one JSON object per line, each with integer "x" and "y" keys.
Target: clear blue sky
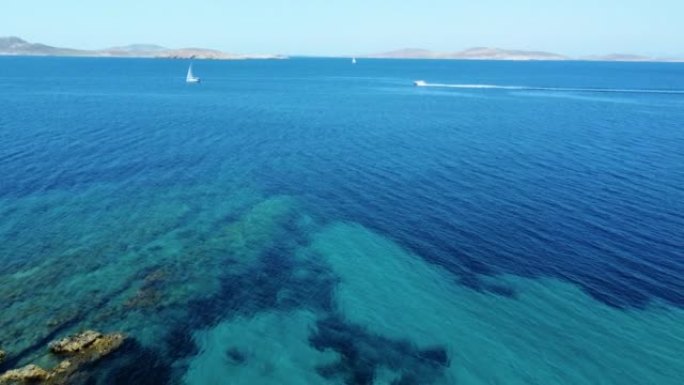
{"x": 337, "y": 27}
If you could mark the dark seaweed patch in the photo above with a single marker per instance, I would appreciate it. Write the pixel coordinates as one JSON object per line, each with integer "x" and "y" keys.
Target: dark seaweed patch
{"x": 179, "y": 343}
{"x": 278, "y": 281}
{"x": 362, "y": 353}
{"x": 235, "y": 356}
{"x": 135, "y": 364}
{"x": 437, "y": 355}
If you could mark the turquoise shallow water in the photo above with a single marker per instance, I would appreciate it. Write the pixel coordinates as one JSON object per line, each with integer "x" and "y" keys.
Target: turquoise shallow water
{"x": 312, "y": 222}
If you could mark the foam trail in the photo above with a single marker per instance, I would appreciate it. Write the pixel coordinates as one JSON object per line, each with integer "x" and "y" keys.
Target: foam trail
{"x": 553, "y": 89}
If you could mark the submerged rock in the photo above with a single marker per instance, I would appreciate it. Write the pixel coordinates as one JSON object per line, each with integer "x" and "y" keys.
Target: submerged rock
{"x": 73, "y": 344}
{"x": 27, "y": 374}
{"x": 145, "y": 298}
{"x": 156, "y": 276}
{"x": 88, "y": 345}
{"x": 80, "y": 349}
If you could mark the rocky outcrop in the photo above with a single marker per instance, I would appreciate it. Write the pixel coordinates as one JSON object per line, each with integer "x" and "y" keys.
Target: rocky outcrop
{"x": 26, "y": 375}
{"x": 73, "y": 344}
{"x": 87, "y": 345}
{"x": 77, "y": 350}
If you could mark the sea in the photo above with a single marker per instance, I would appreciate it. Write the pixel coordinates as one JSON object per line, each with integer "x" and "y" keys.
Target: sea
{"x": 310, "y": 221}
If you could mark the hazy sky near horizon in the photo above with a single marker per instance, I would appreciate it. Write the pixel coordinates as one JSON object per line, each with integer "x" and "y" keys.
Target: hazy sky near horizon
{"x": 318, "y": 27}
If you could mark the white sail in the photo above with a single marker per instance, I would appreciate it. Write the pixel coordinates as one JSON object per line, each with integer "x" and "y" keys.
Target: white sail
{"x": 353, "y": 60}
{"x": 190, "y": 78}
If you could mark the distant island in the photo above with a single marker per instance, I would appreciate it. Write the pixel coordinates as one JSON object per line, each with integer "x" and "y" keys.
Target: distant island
{"x": 14, "y": 46}
{"x": 484, "y": 53}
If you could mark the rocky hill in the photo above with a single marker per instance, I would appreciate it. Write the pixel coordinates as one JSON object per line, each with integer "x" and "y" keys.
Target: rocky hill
{"x": 18, "y": 47}
{"x": 484, "y": 53}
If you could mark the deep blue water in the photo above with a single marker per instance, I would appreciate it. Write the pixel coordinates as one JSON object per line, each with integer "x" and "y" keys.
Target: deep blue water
{"x": 581, "y": 187}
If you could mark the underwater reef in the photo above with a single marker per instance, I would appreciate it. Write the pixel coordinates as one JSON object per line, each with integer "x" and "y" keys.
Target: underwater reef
{"x": 259, "y": 291}
{"x": 74, "y": 352}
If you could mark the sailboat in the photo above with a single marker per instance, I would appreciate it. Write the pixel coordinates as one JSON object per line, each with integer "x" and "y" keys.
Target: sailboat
{"x": 190, "y": 78}
{"x": 353, "y": 60}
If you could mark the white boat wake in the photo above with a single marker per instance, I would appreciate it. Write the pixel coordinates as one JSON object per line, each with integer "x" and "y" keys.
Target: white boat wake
{"x": 552, "y": 89}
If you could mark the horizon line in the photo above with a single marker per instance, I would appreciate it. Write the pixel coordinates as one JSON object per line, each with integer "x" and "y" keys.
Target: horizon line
{"x": 374, "y": 55}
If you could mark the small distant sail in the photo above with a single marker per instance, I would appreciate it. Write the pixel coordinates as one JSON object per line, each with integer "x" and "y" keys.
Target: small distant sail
{"x": 190, "y": 78}
{"x": 353, "y": 60}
